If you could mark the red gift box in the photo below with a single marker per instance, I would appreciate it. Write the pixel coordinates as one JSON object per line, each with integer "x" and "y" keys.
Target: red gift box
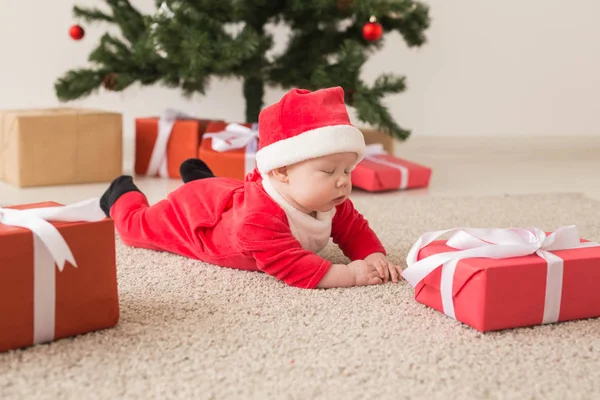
{"x": 493, "y": 279}
{"x": 58, "y": 276}
{"x": 162, "y": 144}
{"x": 380, "y": 172}
{"x": 229, "y": 150}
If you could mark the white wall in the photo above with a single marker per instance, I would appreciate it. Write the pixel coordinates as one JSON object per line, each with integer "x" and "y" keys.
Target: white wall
{"x": 490, "y": 68}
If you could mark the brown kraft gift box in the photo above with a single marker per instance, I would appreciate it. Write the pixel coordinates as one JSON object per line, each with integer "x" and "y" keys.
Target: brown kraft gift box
{"x": 56, "y": 146}
{"x": 374, "y": 136}
{"x": 86, "y": 296}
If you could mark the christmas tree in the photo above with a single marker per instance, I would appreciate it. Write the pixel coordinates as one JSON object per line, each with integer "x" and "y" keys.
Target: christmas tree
{"x": 185, "y": 43}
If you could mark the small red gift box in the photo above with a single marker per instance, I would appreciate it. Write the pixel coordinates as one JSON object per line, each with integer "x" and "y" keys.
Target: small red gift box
{"x": 229, "y": 150}
{"x": 162, "y": 144}
{"x": 58, "y": 275}
{"x": 492, "y": 279}
{"x": 380, "y": 172}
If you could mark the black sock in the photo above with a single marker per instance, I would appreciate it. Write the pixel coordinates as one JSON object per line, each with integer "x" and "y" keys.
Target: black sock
{"x": 193, "y": 169}
{"x": 117, "y": 188}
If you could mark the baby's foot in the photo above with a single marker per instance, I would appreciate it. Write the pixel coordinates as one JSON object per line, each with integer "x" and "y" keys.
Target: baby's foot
{"x": 117, "y": 188}
{"x": 193, "y": 169}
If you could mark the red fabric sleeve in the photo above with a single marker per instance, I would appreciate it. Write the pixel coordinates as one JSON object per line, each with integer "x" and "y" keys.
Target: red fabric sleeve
{"x": 352, "y": 233}
{"x": 278, "y": 253}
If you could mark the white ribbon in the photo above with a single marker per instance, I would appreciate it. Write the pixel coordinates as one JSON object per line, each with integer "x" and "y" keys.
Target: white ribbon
{"x": 236, "y": 136}
{"x": 373, "y": 150}
{"x": 496, "y": 243}
{"x": 49, "y": 249}
{"x": 158, "y": 159}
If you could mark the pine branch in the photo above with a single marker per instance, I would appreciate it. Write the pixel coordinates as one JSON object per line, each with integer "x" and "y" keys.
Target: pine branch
{"x": 388, "y": 83}
{"x": 123, "y": 80}
{"x": 305, "y": 53}
{"x": 341, "y": 69}
{"x": 130, "y": 20}
{"x": 111, "y": 52}
{"x": 222, "y": 10}
{"x": 411, "y": 19}
{"x": 91, "y": 14}
{"x": 367, "y": 103}
{"x": 194, "y": 85}
{"x": 78, "y": 83}
{"x": 249, "y": 44}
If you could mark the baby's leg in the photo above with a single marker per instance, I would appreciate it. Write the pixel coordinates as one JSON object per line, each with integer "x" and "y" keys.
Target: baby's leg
{"x": 138, "y": 224}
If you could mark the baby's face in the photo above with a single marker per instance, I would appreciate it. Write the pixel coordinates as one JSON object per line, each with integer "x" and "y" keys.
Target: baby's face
{"x": 322, "y": 183}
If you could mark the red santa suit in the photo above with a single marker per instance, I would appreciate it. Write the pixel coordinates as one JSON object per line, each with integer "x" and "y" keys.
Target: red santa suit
{"x": 249, "y": 225}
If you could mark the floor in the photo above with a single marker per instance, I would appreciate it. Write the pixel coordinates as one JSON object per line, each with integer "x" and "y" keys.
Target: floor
{"x": 191, "y": 330}
{"x": 461, "y": 166}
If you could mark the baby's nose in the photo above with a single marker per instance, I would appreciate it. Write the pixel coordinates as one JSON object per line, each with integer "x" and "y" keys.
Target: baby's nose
{"x": 343, "y": 181}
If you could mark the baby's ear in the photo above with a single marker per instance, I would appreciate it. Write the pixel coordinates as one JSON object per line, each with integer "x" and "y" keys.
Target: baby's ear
{"x": 281, "y": 174}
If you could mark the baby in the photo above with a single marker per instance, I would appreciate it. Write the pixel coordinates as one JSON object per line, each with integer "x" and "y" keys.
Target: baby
{"x": 282, "y": 215}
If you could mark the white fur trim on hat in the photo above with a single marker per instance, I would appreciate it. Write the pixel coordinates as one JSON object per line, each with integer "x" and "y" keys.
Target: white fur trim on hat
{"x": 311, "y": 144}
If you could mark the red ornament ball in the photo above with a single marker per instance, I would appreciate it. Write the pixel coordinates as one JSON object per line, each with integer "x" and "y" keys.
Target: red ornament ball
{"x": 372, "y": 31}
{"x": 76, "y": 32}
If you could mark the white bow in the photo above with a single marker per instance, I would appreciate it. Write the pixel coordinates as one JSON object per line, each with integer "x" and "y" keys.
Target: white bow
{"x": 496, "y": 243}
{"x": 234, "y": 136}
{"x": 49, "y": 249}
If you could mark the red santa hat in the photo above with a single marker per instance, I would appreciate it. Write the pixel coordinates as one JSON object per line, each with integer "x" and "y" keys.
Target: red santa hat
{"x": 304, "y": 125}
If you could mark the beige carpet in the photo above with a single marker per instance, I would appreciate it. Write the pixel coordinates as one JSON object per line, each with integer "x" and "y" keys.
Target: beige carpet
{"x": 191, "y": 330}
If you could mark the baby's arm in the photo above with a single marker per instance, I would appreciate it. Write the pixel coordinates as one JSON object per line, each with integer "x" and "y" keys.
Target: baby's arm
{"x": 352, "y": 233}
{"x": 278, "y": 253}
{"x": 357, "y": 273}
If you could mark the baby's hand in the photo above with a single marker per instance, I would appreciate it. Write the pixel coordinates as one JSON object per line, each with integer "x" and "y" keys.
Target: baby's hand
{"x": 385, "y": 268}
{"x": 364, "y": 273}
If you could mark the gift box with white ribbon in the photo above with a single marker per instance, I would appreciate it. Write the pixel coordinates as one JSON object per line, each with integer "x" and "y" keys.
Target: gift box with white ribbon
{"x": 380, "y": 171}
{"x": 493, "y": 279}
{"x": 163, "y": 143}
{"x": 229, "y": 149}
{"x": 57, "y": 272}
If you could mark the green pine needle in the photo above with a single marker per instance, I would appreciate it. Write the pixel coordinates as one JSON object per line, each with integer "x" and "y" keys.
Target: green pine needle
{"x": 78, "y": 83}
{"x": 91, "y": 15}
